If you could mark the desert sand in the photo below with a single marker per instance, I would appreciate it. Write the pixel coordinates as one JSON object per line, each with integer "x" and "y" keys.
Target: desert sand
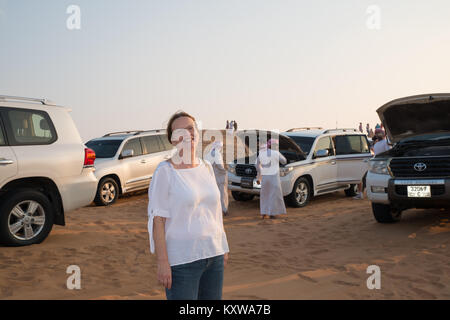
{"x": 318, "y": 252}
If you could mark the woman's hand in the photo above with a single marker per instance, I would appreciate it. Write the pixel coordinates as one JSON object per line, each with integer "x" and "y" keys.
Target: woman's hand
{"x": 225, "y": 259}
{"x": 164, "y": 274}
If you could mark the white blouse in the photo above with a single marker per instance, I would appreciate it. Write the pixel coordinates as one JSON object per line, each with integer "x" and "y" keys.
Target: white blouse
{"x": 190, "y": 200}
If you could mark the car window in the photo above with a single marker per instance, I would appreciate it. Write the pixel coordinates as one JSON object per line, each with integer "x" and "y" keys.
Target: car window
{"x": 2, "y": 137}
{"x": 165, "y": 142}
{"x": 104, "y": 148}
{"x": 351, "y": 145}
{"x": 152, "y": 144}
{"x": 325, "y": 143}
{"x": 135, "y": 145}
{"x": 30, "y": 127}
{"x": 365, "y": 147}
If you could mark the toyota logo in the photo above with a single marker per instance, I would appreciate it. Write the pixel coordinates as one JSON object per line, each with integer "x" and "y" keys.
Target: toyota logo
{"x": 248, "y": 171}
{"x": 420, "y": 166}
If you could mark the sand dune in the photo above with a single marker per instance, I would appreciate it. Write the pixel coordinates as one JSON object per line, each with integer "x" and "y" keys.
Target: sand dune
{"x": 318, "y": 252}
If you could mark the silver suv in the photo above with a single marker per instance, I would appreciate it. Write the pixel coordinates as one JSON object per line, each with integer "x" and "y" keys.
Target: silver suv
{"x": 126, "y": 161}
{"x": 45, "y": 169}
{"x": 415, "y": 173}
{"x": 319, "y": 162}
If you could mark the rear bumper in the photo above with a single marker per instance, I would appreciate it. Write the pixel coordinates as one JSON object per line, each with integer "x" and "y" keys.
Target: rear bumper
{"x": 80, "y": 191}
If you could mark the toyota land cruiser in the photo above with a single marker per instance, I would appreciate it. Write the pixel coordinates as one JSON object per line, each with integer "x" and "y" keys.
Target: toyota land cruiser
{"x": 319, "y": 162}
{"x": 415, "y": 173}
{"x": 126, "y": 161}
{"x": 45, "y": 169}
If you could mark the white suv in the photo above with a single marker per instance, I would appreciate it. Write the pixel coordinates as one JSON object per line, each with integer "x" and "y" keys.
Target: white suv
{"x": 319, "y": 162}
{"x": 45, "y": 170}
{"x": 126, "y": 161}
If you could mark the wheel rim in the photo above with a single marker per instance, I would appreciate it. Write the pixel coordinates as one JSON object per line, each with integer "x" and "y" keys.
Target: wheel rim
{"x": 108, "y": 192}
{"x": 26, "y": 220}
{"x": 301, "y": 193}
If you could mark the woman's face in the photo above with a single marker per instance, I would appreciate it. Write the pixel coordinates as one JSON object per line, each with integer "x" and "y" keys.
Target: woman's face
{"x": 184, "y": 133}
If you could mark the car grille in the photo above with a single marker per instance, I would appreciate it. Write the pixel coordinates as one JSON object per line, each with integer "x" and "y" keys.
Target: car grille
{"x": 436, "y": 167}
{"x": 436, "y": 190}
{"x": 245, "y": 170}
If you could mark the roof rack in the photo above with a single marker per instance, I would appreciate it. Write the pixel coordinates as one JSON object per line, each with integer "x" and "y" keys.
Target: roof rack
{"x": 41, "y": 101}
{"x": 304, "y": 128}
{"x": 132, "y": 132}
{"x": 153, "y": 130}
{"x": 121, "y": 133}
{"x": 341, "y": 130}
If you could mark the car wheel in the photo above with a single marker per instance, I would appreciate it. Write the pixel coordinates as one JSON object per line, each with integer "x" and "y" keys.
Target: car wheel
{"x": 107, "y": 192}
{"x": 352, "y": 191}
{"x": 241, "y": 196}
{"x": 26, "y": 218}
{"x": 301, "y": 193}
{"x": 385, "y": 214}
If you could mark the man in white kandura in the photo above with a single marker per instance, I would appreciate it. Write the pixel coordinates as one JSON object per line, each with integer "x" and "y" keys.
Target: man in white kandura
{"x": 268, "y": 167}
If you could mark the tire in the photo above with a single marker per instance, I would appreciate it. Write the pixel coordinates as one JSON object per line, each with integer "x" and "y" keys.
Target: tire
{"x": 352, "y": 191}
{"x": 107, "y": 192}
{"x": 18, "y": 226}
{"x": 301, "y": 193}
{"x": 242, "y": 196}
{"x": 385, "y": 214}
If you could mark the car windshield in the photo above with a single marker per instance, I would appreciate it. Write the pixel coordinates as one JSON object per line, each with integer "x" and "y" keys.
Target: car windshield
{"x": 305, "y": 143}
{"x": 104, "y": 148}
{"x": 428, "y": 137}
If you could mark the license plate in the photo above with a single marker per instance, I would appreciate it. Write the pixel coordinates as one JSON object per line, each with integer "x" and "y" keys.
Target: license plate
{"x": 247, "y": 183}
{"x": 419, "y": 192}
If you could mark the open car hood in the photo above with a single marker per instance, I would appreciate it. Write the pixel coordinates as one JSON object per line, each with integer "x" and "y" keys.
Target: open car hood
{"x": 287, "y": 146}
{"x": 416, "y": 115}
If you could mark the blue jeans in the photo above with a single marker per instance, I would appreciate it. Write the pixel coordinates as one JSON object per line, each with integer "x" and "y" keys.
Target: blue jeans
{"x": 198, "y": 280}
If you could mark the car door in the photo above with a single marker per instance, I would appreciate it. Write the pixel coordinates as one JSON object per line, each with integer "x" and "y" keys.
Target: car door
{"x": 352, "y": 155}
{"x": 136, "y": 174}
{"x": 155, "y": 153}
{"x": 8, "y": 161}
{"x": 325, "y": 168}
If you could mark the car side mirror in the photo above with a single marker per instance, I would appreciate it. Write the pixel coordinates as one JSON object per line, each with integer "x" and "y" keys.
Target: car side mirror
{"x": 322, "y": 153}
{"x": 127, "y": 154}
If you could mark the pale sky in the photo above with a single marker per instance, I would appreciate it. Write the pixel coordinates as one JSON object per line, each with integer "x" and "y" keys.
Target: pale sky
{"x": 267, "y": 64}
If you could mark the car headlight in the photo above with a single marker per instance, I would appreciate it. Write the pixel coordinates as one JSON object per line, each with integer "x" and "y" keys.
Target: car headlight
{"x": 379, "y": 166}
{"x": 285, "y": 171}
{"x": 232, "y": 168}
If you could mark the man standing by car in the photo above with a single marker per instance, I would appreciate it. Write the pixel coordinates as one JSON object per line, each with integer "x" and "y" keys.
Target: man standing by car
{"x": 381, "y": 145}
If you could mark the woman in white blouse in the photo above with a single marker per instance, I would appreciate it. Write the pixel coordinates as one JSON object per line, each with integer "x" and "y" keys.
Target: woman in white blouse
{"x": 185, "y": 219}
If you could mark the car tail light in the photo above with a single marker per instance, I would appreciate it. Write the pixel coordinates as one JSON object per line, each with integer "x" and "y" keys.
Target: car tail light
{"x": 89, "y": 157}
